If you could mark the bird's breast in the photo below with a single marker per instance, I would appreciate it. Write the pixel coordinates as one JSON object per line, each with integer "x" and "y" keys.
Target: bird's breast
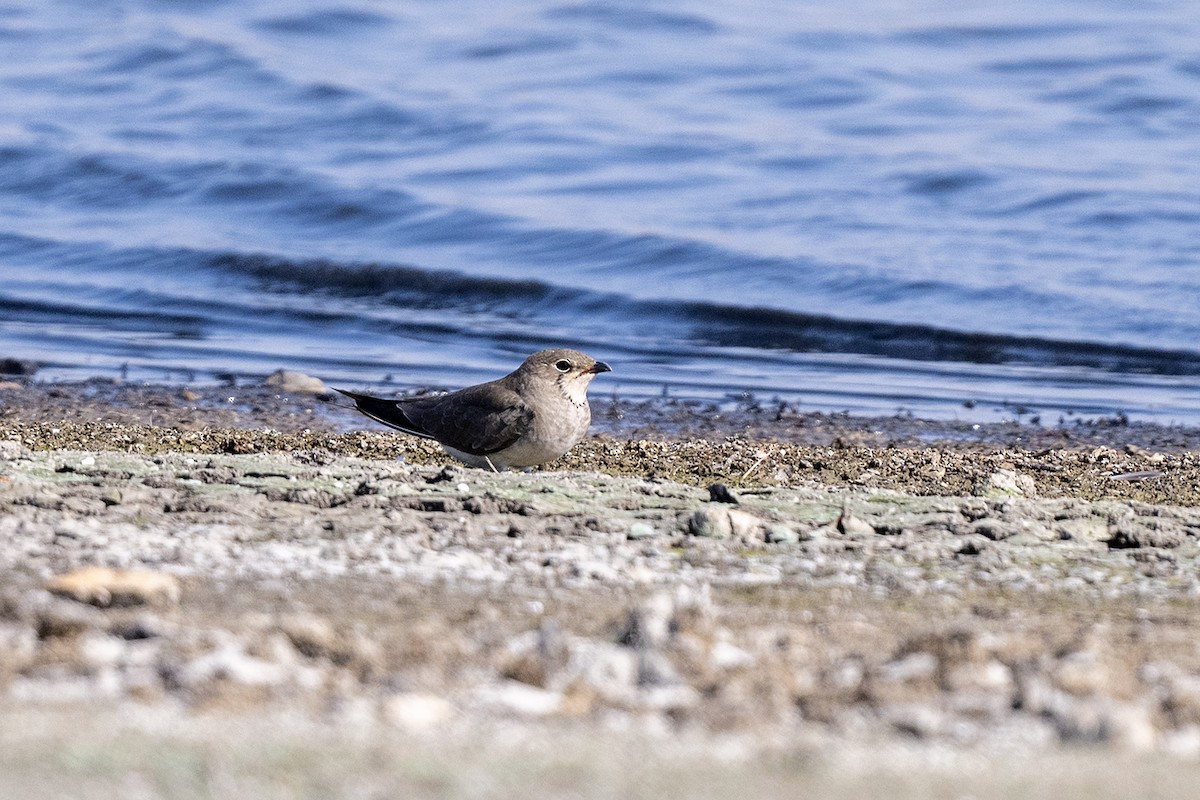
{"x": 555, "y": 430}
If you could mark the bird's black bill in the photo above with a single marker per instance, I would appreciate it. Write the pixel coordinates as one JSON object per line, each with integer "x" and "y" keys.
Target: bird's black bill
{"x": 599, "y": 367}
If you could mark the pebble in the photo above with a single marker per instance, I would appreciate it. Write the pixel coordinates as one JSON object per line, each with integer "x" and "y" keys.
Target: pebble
{"x": 521, "y": 699}
{"x": 782, "y": 534}
{"x": 18, "y": 366}
{"x": 711, "y": 523}
{"x": 1147, "y": 532}
{"x": 416, "y": 712}
{"x": 641, "y": 530}
{"x": 11, "y": 450}
{"x": 720, "y": 522}
{"x": 59, "y": 619}
{"x": 230, "y": 663}
{"x": 721, "y": 493}
{"x": 648, "y": 625}
{"x": 291, "y": 382}
{"x": 1006, "y": 483}
{"x": 103, "y": 586}
{"x": 853, "y": 527}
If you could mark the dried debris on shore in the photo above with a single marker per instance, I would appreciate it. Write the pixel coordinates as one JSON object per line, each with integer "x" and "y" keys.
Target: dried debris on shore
{"x": 1095, "y": 473}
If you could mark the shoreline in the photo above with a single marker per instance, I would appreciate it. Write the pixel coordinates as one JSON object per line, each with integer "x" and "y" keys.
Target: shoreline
{"x": 695, "y": 444}
{"x": 867, "y": 592}
{"x": 189, "y": 405}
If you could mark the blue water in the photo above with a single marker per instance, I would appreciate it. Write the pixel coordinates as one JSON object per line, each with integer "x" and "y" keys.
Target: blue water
{"x": 954, "y": 209}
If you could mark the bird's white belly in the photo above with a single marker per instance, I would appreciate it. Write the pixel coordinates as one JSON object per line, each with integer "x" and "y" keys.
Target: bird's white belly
{"x": 548, "y": 440}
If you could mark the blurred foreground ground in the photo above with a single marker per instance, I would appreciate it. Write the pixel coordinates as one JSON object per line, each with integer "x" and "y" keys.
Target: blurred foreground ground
{"x": 941, "y": 611}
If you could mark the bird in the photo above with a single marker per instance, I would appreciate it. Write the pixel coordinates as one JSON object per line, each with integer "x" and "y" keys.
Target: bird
{"x": 531, "y": 416}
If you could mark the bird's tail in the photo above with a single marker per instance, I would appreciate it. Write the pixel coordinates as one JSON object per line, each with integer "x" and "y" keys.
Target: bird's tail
{"x": 388, "y": 412}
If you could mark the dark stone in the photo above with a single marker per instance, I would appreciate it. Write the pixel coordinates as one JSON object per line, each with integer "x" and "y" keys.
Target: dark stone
{"x": 720, "y": 493}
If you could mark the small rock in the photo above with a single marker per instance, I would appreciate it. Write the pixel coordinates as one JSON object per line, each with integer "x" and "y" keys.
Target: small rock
{"x": 101, "y": 586}
{"x": 312, "y": 636}
{"x": 641, "y": 530}
{"x": 229, "y": 663}
{"x": 669, "y": 697}
{"x": 316, "y": 638}
{"x": 59, "y": 619}
{"x": 918, "y": 720}
{"x": 18, "y": 647}
{"x": 852, "y": 527}
{"x": 18, "y": 366}
{"x": 721, "y": 493}
{"x": 145, "y": 626}
{"x": 994, "y": 529}
{"x": 1141, "y": 475}
{"x": 719, "y": 522}
{"x": 11, "y": 450}
{"x": 608, "y": 670}
{"x": 535, "y": 657}
{"x": 290, "y": 382}
{"x": 711, "y": 523}
{"x": 415, "y": 712}
{"x": 726, "y": 655}
{"x": 972, "y": 547}
{"x": 649, "y": 625}
{"x": 918, "y": 666}
{"x": 101, "y": 650}
{"x": 654, "y": 668}
{"x": 1146, "y": 532}
{"x": 447, "y": 473}
{"x": 991, "y": 676}
{"x": 1006, "y": 483}
{"x": 782, "y": 534}
{"x": 519, "y": 698}
{"x": 1092, "y": 528}
{"x": 1082, "y": 673}
{"x": 745, "y": 526}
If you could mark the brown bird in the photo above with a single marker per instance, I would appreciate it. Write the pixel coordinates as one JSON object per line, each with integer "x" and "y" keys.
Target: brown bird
{"x": 530, "y": 416}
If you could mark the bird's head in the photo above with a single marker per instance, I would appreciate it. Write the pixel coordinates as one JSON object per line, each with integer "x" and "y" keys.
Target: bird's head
{"x": 570, "y": 369}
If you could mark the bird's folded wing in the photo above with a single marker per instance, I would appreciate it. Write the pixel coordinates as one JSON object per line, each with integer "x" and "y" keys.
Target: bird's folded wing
{"x": 480, "y": 420}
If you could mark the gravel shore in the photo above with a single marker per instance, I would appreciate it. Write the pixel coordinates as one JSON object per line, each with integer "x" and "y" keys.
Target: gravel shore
{"x": 695, "y": 594}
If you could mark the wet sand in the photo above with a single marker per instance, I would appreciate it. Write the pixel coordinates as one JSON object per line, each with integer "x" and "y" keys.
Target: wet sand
{"x": 884, "y": 600}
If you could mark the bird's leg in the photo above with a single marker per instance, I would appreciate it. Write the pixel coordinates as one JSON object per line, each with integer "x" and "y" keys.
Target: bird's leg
{"x": 490, "y": 464}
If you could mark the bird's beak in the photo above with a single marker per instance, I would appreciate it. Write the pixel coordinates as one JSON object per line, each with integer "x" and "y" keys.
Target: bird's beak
{"x": 599, "y": 367}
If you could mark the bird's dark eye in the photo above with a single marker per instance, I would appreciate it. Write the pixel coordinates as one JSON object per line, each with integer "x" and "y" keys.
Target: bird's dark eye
{"x": 562, "y": 365}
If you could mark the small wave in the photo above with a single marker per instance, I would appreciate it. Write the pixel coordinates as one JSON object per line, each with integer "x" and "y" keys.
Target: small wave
{"x": 758, "y": 327}
{"x": 635, "y": 17}
{"x": 527, "y": 45}
{"x": 940, "y": 183}
{"x": 331, "y": 22}
{"x": 1050, "y": 201}
{"x": 958, "y": 35}
{"x": 418, "y": 287}
{"x": 704, "y": 324}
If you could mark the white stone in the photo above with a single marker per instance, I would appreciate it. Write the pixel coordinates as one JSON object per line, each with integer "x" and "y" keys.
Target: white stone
{"x": 520, "y": 698}
{"x": 416, "y": 712}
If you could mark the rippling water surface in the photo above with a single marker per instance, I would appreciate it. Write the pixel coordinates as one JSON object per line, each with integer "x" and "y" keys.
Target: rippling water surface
{"x": 871, "y": 206}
